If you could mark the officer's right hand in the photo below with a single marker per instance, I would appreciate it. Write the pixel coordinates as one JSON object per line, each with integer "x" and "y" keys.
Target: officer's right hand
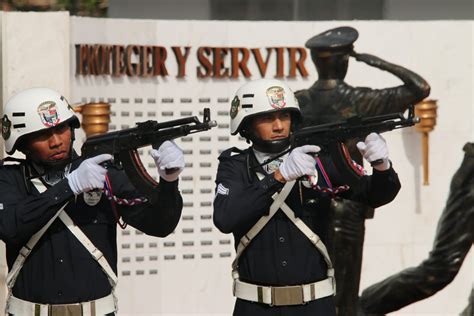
{"x": 89, "y": 175}
{"x": 299, "y": 163}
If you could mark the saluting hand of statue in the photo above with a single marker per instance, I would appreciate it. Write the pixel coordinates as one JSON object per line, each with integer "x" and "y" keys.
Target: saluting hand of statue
{"x": 369, "y": 59}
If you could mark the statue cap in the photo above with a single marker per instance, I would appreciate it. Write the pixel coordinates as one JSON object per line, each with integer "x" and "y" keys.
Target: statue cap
{"x": 337, "y": 39}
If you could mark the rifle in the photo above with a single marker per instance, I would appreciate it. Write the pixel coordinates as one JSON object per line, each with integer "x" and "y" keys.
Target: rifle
{"x": 330, "y": 137}
{"x": 123, "y": 145}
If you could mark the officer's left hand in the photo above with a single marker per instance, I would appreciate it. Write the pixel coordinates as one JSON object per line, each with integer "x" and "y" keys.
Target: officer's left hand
{"x": 169, "y": 160}
{"x": 375, "y": 148}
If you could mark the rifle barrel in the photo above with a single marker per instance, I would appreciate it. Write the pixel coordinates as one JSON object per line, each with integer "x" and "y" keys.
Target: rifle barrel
{"x": 354, "y": 127}
{"x": 145, "y": 134}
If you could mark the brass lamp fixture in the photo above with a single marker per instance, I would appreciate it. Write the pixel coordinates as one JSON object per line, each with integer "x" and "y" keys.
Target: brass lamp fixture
{"x": 95, "y": 117}
{"x": 426, "y": 111}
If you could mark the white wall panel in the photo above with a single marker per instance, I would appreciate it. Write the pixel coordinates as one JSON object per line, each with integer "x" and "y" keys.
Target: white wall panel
{"x": 35, "y": 51}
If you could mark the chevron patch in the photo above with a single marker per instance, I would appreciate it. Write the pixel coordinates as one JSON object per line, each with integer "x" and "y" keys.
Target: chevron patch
{"x": 221, "y": 189}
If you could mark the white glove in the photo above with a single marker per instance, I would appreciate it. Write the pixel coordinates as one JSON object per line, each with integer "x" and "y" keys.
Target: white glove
{"x": 168, "y": 156}
{"x": 89, "y": 175}
{"x": 299, "y": 163}
{"x": 375, "y": 148}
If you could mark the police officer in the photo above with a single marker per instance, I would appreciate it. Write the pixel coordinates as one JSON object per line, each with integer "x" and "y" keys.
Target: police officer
{"x": 331, "y": 99}
{"x": 56, "y": 219}
{"x": 276, "y": 209}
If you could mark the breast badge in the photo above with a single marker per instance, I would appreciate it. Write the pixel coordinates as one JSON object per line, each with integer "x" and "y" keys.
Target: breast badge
{"x": 92, "y": 198}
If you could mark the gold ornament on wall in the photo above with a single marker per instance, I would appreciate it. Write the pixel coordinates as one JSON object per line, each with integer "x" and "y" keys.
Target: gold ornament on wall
{"x": 426, "y": 111}
{"x": 95, "y": 117}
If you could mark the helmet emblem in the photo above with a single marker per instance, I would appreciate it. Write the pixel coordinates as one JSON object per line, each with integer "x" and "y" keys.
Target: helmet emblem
{"x": 234, "y": 107}
{"x": 48, "y": 114}
{"x": 6, "y": 127}
{"x": 276, "y": 97}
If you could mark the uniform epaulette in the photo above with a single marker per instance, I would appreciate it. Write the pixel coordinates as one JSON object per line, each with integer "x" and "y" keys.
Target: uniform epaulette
{"x": 231, "y": 153}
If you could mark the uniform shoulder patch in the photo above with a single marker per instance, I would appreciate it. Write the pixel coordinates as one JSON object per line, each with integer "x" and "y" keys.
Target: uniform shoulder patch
{"x": 231, "y": 152}
{"x": 221, "y": 189}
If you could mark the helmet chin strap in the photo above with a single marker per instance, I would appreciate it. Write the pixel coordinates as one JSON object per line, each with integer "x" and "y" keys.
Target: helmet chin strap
{"x": 54, "y": 165}
{"x": 50, "y": 173}
{"x": 270, "y": 146}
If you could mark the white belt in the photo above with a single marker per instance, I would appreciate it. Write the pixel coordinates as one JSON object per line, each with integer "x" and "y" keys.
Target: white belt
{"x": 283, "y": 295}
{"x": 99, "y": 307}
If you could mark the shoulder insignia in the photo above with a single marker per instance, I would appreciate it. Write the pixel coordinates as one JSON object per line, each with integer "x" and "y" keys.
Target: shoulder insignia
{"x": 232, "y": 153}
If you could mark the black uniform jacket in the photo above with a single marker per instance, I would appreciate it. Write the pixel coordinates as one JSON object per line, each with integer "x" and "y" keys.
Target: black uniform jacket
{"x": 59, "y": 270}
{"x": 280, "y": 254}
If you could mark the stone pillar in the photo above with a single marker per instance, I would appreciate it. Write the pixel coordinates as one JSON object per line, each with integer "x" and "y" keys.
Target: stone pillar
{"x": 34, "y": 52}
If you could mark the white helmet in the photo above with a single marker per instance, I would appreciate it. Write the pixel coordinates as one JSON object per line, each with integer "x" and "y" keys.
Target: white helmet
{"x": 261, "y": 96}
{"x": 33, "y": 110}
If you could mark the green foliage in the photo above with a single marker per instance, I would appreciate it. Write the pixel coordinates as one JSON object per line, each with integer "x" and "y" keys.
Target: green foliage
{"x": 97, "y": 8}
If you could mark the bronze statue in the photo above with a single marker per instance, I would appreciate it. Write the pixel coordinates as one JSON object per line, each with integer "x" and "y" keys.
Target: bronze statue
{"x": 331, "y": 99}
{"x": 469, "y": 310}
{"x": 453, "y": 240}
